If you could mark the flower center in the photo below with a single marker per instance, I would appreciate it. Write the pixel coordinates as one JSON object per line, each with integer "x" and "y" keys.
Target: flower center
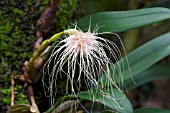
{"x": 80, "y": 41}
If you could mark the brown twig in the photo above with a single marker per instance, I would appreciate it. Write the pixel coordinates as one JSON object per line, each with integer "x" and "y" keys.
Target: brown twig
{"x": 43, "y": 26}
{"x": 33, "y": 107}
{"x": 12, "y": 91}
{"x": 45, "y": 22}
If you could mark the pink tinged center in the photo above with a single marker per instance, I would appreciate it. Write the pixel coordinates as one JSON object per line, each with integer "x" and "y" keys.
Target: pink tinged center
{"x": 80, "y": 42}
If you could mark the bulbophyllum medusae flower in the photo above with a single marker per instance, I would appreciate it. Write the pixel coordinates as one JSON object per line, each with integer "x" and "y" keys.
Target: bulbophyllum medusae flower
{"x": 86, "y": 56}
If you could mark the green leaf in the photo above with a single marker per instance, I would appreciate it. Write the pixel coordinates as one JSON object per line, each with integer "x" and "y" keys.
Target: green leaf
{"x": 153, "y": 73}
{"x": 108, "y": 100}
{"x": 152, "y": 110}
{"x": 120, "y": 100}
{"x": 143, "y": 57}
{"x": 118, "y": 21}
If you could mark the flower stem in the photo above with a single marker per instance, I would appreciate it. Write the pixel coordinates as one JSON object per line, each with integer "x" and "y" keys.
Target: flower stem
{"x": 42, "y": 47}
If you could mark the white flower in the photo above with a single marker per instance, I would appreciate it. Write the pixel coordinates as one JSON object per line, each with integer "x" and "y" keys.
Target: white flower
{"x": 84, "y": 54}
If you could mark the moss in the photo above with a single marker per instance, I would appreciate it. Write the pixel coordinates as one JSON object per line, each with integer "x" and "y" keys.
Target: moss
{"x": 66, "y": 13}
{"x": 20, "y": 96}
{"x": 17, "y": 36}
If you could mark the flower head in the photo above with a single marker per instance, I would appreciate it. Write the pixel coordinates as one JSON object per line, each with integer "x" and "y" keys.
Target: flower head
{"x": 84, "y": 54}
{"x": 80, "y": 42}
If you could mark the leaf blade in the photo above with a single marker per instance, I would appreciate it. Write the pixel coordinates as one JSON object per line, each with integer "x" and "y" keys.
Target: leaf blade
{"x": 153, "y": 73}
{"x": 122, "y": 101}
{"x": 142, "y": 58}
{"x": 118, "y": 21}
{"x": 149, "y": 53}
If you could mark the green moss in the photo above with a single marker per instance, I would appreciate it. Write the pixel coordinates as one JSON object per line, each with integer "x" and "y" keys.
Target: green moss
{"x": 20, "y": 97}
{"x": 17, "y": 36}
{"x": 66, "y": 13}
{"x": 18, "y": 12}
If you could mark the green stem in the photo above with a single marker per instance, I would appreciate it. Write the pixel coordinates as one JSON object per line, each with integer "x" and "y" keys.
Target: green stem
{"x": 46, "y": 43}
{"x": 42, "y": 47}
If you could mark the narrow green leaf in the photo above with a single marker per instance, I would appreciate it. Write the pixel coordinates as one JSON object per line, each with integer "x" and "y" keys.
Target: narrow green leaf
{"x": 152, "y": 110}
{"x": 118, "y": 21}
{"x": 144, "y": 57}
{"x": 120, "y": 98}
{"x": 153, "y": 73}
